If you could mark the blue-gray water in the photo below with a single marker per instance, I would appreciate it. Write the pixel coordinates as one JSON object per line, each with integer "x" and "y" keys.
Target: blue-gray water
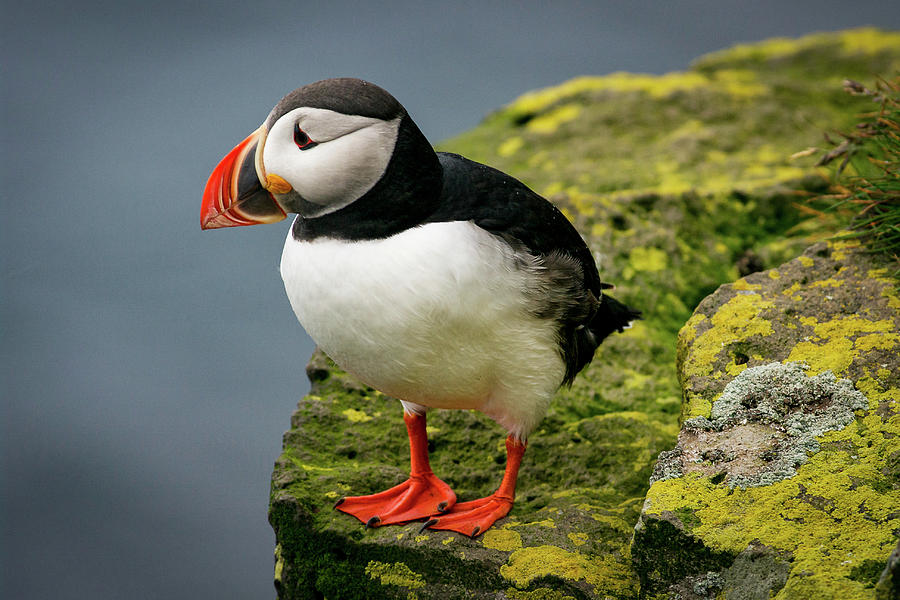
{"x": 148, "y": 368}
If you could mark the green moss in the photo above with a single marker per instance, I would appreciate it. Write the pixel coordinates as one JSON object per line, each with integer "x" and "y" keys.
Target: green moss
{"x": 867, "y": 572}
{"x": 538, "y": 594}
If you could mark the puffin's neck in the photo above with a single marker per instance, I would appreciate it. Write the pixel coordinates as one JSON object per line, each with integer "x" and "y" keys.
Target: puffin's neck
{"x": 407, "y": 193}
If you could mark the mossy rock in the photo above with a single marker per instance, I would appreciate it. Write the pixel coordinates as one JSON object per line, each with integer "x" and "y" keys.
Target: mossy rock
{"x": 567, "y": 533}
{"x": 791, "y": 436}
{"x": 679, "y": 183}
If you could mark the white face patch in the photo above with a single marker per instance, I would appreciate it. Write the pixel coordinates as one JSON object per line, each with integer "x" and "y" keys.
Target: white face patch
{"x": 351, "y": 155}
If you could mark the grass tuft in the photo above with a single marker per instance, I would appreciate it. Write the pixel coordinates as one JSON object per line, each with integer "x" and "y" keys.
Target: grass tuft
{"x": 870, "y": 160}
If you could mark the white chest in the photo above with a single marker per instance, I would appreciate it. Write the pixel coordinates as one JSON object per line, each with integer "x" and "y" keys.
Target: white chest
{"x": 436, "y": 315}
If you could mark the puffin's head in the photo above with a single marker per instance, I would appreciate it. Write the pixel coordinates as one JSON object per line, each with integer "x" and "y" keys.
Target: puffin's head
{"x": 323, "y": 146}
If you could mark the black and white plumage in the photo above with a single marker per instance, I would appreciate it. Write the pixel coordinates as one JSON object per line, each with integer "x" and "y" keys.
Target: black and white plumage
{"x": 434, "y": 279}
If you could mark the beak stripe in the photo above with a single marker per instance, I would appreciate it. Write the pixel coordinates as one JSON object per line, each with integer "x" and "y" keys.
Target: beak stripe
{"x": 231, "y": 200}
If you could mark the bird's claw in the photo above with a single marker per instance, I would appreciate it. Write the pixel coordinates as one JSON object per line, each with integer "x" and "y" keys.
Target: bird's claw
{"x": 427, "y": 524}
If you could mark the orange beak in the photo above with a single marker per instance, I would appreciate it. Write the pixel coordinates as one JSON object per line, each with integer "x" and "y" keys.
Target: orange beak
{"x": 234, "y": 194}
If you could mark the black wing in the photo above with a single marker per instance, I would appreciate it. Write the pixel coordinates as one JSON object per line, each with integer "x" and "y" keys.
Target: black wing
{"x": 507, "y": 208}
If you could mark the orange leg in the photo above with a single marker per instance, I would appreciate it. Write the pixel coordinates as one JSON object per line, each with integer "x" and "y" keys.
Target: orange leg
{"x": 419, "y": 497}
{"x": 476, "y": 516}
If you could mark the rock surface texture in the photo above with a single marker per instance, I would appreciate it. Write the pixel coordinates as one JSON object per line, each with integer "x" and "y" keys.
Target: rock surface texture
{"x": 679, "y": 183}
{"x": 785, "y": 478}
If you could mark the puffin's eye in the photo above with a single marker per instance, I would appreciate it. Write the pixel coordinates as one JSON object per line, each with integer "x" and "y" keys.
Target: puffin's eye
{"x": 302, "y": 139}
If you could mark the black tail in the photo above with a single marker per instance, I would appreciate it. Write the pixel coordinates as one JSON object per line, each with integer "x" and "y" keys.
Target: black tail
{"x": 582, "y": 342}
{"x": 611, "y": 316}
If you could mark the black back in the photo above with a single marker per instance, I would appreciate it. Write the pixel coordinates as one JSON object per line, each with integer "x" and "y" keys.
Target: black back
{"x": 506, "y": 207}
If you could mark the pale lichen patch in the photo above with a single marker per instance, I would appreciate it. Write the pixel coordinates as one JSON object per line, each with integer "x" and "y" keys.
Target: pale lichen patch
{"x": 762, "y": 427}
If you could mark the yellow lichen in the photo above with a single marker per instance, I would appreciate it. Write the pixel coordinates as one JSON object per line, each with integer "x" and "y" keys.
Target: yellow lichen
{"x": 737, "y": 319}
{"x": 688, "y": 331}
{"x": 893, "y": 299}
{"x": 742, "y": 284}
{"x": 510, "y": 146}
{"x": 598, "y": 229}
{"x": 834, "y": 349}
{"x": 792, "y": 291}
{"x": 279, "y": 563}
{"x": 830, "y": 282}
{"x": 356, "y": 416}
{"x": 735, "y": 369}
{"x": 647, "y": 259}
{"x": 612, "y": 521}
{"x": 554, "y": 188}
{"x": 394, "y": 574}
{"x": 538, "y": 100}
{"x": 839, "y": 246}
{"x": 876, "y": 341}
{"x": 502, "y": 539}
{"x": 527, "y": 564}
{"x": 864, "y": 40}
{"x": 805, "y": 261}
{"x": 740, "y": 82}
{"x": 579, "y": 539}
{"x": 635, "y": 380}
{"x": 869, "y": 40}
{"x": 541, "y": 523}
{"x": 550, "y": 121}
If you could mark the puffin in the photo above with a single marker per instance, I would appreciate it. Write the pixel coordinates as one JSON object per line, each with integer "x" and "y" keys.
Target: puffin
{"x": 437, "y": 280}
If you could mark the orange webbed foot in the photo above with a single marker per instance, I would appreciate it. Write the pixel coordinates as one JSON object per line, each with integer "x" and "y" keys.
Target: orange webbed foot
{"x": 419, "y": 497}
{"x": 474, "y": 517}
